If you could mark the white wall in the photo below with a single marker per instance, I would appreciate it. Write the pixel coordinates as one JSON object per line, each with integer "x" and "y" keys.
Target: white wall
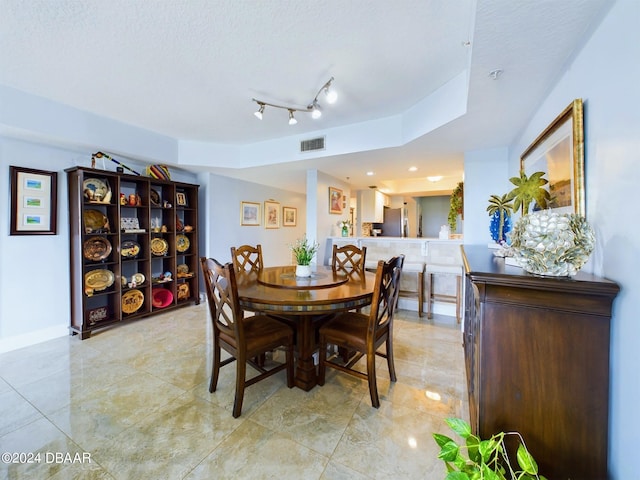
{"x": 486, "y": 173}
{"x": 606, "y": 75}
{"x": 220, "y": 211}
{"x": 326, "y": 223}
{"x": 34, "y": 273}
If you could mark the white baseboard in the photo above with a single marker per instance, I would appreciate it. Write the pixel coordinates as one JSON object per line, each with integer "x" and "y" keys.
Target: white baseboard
{"x": 31, "y": 338}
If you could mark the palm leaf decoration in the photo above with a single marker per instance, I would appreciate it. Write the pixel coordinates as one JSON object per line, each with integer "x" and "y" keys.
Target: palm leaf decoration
{"x": 529, "y": 189}
{"x": 504, "y": 206}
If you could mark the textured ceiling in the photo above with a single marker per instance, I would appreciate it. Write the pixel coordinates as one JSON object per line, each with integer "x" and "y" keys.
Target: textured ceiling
{"x": 189, "y": 68}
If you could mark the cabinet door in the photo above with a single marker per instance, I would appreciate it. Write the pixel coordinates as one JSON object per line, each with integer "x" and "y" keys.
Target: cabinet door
{"x": 372, "y": 206}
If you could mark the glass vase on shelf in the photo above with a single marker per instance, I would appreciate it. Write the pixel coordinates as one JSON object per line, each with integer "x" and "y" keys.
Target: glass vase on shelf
{"x": 345, "y": 225}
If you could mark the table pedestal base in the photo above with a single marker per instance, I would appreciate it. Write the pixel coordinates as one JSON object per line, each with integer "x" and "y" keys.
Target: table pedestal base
{"x": 306, "y": 332}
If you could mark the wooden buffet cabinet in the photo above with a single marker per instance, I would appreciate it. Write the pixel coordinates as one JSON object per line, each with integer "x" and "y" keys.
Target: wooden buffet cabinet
{"x": 133, "y": 247}
{"x": 537, "y": 361}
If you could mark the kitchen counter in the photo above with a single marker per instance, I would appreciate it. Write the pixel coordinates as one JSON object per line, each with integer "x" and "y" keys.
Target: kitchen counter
{"x": 417, "y": 251}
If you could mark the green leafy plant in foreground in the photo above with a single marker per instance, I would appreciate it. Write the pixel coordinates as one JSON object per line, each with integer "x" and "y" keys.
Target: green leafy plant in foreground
{"x": 485, "y": 459}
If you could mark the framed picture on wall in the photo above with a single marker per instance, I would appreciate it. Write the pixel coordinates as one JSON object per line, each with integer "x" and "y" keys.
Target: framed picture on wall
{"x": 335, "y": 200}
{"x": 271, "y": 214}
{"x": 559, "y": 153}
{"x": 289, "y": 216}
{"x": 249, "y": 214}
{"x": 34, "y": 195}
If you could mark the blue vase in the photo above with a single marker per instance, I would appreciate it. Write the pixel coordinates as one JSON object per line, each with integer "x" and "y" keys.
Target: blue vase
{"x": 494, "y": 227}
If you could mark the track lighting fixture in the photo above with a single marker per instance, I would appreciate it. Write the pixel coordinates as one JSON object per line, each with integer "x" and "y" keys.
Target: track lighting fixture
{"x": 313, "y": 107}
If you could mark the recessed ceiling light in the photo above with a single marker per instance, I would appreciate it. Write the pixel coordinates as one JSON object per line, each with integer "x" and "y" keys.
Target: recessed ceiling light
{"x": 413, "y": 169}
{"x": 435, "y": 178}
{"x": 370, "y": 173}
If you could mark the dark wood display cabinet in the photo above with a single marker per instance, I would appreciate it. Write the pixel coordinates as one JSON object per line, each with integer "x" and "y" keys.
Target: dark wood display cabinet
{"x": 134, "y": 247}
{"x": 537, "y": 361}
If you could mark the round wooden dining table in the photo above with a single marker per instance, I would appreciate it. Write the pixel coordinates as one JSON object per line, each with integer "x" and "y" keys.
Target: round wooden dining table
{"x": 305, "y": 304}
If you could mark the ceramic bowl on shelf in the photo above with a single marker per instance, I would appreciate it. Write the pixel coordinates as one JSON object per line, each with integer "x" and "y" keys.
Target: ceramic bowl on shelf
{"x": 161, "y": 297}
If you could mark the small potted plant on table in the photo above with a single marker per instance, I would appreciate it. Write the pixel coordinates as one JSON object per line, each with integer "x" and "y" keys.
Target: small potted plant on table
{"x": 304, "y": 252}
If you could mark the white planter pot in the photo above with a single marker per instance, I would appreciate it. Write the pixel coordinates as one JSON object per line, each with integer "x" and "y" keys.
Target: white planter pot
{"x": 303, "y": 270}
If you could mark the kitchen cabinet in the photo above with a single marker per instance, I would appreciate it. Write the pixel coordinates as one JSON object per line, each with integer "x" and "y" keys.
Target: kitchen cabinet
{"x": 372, "y": 203}
{"x": 537, "y": 361}
{"x": 134, "y": 247}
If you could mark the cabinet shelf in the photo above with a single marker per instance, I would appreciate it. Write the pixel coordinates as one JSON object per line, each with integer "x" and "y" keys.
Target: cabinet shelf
{"x": 105, "y": 308}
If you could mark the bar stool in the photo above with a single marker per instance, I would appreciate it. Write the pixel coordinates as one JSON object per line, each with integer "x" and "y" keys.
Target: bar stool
{"x": 444, "y": 269}
{"x": 408, "y": 268}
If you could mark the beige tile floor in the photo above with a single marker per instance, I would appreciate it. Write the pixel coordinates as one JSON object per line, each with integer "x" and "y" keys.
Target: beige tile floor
{"x": 132, "y": 402}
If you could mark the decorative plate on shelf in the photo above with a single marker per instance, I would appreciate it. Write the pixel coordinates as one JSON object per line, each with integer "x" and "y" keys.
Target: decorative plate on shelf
{"x": 96, "y": 249}
{"x": 132, "y": 300}
{"x": 139, "y": 278}
{"x": 183, "y": 291}
{"x": 182, "y": 268}
{"x": 182, "y": 243}
{"x": 155, "y": 198}
{"x": 95, "y": 190}
{"x": 129, "y": 249}
{"x": 95, "y": 220}
{"x": 159, "y": 247}
{"x": 99, "y": 279}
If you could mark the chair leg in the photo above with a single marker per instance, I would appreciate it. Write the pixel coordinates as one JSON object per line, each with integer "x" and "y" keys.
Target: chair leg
{"x": 215, "y": 368}
{"x": 371, "y": 376}
{"x": 322, "y": 357}
{"x": 241, "y": 372}
{"x": 429, "y": 291}
{"x": 289, "y": 360}
{"x": 420, "y": 293}
{"x": 390, "y": 363}
{"x": 458, "y": 297}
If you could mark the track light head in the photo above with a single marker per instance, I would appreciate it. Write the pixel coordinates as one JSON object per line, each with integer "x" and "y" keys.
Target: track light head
{"x": 315, "y": 110}
{"x": 292, "y": 119}
{"x": 331, "y": 94}
{"x": 259, "y": 113}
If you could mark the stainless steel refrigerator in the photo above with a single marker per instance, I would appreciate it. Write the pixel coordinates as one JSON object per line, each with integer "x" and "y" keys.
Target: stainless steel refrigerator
{"x": 393, "y": 225}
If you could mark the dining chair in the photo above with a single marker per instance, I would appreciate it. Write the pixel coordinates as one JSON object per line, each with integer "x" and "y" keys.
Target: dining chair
{"x": 247, "y": 258}
{"x": 243, "y": 338}
{"x": 364, "y": 334}
{"x": 348, "y": 258}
